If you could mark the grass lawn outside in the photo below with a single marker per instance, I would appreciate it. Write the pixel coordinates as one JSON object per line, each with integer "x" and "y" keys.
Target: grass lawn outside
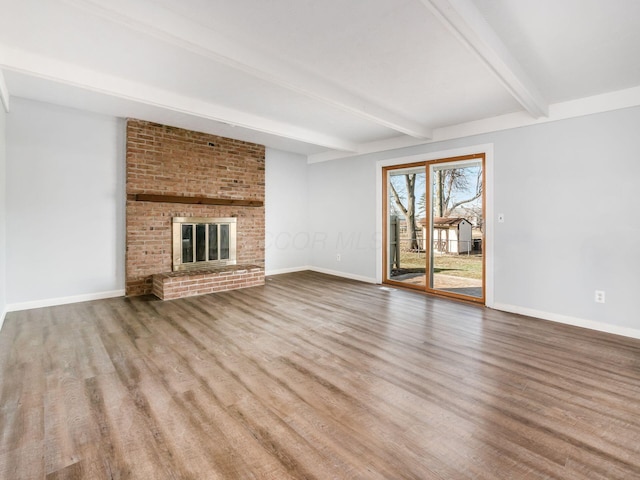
{"x": 467, "y": 266}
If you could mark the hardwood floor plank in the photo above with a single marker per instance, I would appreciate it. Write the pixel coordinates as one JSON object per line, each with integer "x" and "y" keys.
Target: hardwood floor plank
{"x": 65, "y": 421}
{"x": 313, "y": 377}
{"x": 126, "y": 443}
{"x": 23, "y": 463}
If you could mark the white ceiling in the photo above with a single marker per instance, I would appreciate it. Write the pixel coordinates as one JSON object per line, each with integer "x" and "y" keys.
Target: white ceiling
{"x": 326, "y": 78}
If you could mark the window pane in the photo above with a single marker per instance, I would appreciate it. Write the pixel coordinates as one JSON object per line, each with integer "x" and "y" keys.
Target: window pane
{"x": 187, "y": 243}
{"x": 224, "y": 242}
{"x": 406, "y": 240}
{"x": 201, "y": 244}
{"x": 213, "y": 241}
{"x": 457, "y": 228}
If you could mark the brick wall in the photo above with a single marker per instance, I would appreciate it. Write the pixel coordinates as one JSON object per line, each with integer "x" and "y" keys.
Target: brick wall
{"x": 172, "y": 161}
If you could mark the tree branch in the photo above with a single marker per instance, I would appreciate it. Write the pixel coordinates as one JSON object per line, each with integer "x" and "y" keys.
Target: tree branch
{"x": 396, "y": 197}
{"x": 462, "y": 202}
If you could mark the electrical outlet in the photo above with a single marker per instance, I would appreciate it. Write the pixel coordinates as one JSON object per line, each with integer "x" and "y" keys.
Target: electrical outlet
{"x": 338, "y": 257}
{"x": 599, "y": 298}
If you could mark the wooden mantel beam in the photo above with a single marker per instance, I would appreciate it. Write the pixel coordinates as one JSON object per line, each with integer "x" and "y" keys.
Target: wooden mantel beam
{"x": 145, "y": 197}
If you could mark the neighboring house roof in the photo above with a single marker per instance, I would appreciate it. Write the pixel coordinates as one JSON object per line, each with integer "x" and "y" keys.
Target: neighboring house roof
{"x": 439, "y": 222}
{"x": 443, "y": 222}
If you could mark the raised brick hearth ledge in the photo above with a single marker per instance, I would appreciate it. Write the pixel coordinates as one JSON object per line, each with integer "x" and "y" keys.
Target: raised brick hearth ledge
{"x": 187, "y": 283}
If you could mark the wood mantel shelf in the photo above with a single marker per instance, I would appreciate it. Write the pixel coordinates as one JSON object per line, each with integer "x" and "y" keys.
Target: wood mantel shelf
{"x": 145, "y": 197}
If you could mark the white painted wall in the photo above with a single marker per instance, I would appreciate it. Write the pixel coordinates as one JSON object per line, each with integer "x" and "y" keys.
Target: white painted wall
{"x": 287, "y": 239}
{"x": 342, "y": 199}
{"x": 3, "y": 215}
{"x": 65, "y": 204}
{"x": 567, "y": 189}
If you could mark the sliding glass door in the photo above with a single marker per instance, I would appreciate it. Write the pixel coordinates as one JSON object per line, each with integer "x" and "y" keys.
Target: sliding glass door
{"x": 434, "y": 226}
{"x": 406, "y": 213}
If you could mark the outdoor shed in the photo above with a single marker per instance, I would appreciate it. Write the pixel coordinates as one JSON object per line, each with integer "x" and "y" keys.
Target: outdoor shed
{"x": 451, "y": 235}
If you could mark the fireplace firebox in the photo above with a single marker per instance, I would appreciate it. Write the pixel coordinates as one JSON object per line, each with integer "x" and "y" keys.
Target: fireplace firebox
{"x": 200, "y": 242}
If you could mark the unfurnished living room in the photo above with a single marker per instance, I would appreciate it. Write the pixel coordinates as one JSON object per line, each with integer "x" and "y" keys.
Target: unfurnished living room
{"x": 304, "y": 239}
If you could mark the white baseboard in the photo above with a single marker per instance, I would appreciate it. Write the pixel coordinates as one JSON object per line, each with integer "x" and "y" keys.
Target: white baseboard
{"x": 280, "y": 271}
{"x": 350, "y": 276}
{"x": 51, "y": 302}
{"x": 567, "y": 320}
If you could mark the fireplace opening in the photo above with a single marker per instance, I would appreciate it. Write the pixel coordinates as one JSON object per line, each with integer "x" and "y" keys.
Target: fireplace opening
{"x": 200, "y": 241}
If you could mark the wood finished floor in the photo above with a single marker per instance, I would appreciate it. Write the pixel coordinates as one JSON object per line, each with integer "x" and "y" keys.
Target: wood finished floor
{"x": 312, "y": 377}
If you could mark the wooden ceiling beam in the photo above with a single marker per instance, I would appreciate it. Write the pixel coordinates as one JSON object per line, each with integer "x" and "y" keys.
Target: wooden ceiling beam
{"x": 73, "y": 75}
{"x": 466, "y": 22}
{"x": 153, "y": 19}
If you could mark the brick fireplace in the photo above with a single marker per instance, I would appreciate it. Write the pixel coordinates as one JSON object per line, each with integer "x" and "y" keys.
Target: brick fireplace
{"x": 172, "y": 173}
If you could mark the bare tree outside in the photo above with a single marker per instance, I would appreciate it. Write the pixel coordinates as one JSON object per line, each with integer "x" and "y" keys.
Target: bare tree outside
{"x": 447, "y": 186}
{"x": 404, "y": 201}
{"x": 448, "y": 182}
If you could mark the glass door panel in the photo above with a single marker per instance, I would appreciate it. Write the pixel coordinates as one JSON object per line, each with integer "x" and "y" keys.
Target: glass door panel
{"x": 456, "y": 227}
{"x": 407, "y": 227}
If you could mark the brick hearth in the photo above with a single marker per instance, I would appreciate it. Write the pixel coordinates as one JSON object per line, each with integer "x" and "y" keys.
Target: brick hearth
{"x": 171, "y": 285}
